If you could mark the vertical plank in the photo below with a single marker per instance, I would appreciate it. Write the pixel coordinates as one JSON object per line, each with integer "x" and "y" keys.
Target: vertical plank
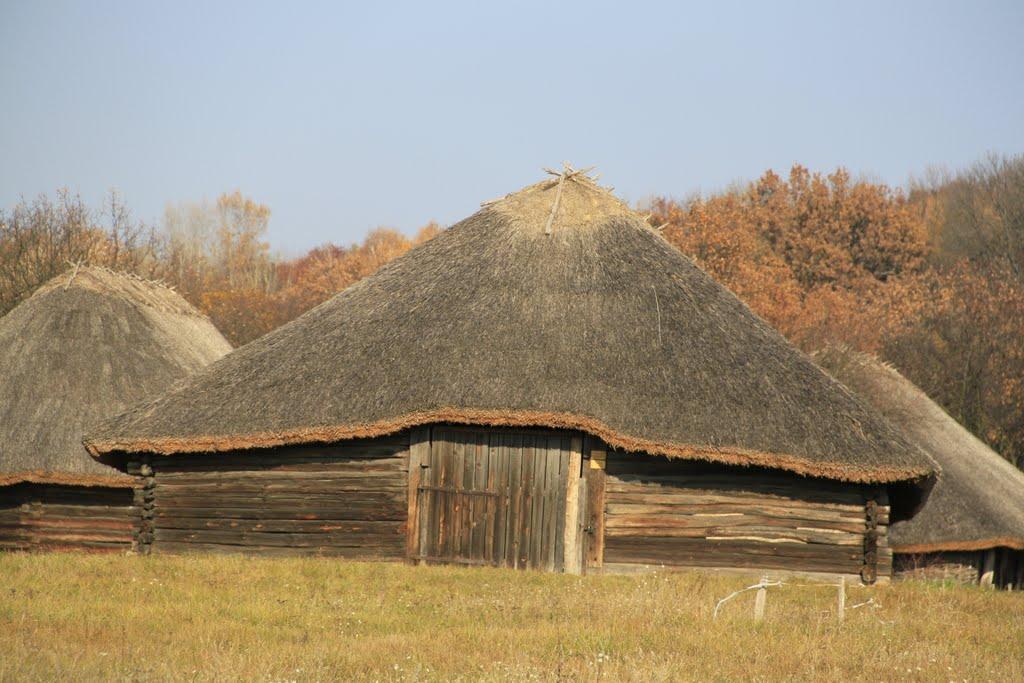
{"x": 571, "y": 558}
{"x": 527, "y": 486}
{"x": 418, "y": 457}
{"x": 546, "y": 549}
{"x": 464, "y": 457}
{"x": 501, "y": 474}
{"x": 516, "y": 499}
{"x": 559, "y": 493}
{"x": 444, "y": 452}
{"x": 595, "y": 474}
{"x": 482, "y": 503}
{"x": 493, "y": 502}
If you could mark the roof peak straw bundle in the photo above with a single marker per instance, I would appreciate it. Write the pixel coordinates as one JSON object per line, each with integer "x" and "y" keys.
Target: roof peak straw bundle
{"x": 555, "y": 306}
{"x": 977, "y": 501}
{"x": 84, "y": 346}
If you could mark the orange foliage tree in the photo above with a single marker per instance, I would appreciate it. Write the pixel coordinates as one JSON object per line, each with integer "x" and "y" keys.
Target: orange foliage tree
{"x": 817, "y": 256}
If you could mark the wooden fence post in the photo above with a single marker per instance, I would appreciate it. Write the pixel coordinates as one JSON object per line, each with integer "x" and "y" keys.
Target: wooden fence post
{"x": 760, "y": 600}
{"x": 841, "y": 608}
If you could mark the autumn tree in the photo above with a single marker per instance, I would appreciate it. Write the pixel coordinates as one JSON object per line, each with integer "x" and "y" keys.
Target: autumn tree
{"x": 217, "y": 256}
{"x": 816, "y": 256}
{"x": 328, "y": 269}
{"x": 977, "y": 214}
{"x": 43, "y": 238}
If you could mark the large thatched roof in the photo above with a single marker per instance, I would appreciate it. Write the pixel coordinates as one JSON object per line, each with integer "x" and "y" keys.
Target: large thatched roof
{"x": 978, "y": 498}
{"x": 85, "y": 346}
{"x": 600, "y": 325}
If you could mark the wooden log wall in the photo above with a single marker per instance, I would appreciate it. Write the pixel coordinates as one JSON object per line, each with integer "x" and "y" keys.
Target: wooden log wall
{"x": 39, "y": 517}
{"x": 687, "y": 514}
{"x": 346, "y": 500}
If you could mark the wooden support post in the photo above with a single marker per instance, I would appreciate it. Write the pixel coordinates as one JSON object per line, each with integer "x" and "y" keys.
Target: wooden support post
{"x": 419, "y": 457}
{"x": 841, "y": 607}
{"x": 988, "y": 568}
{"x": 595, "y": 476}
{"x": 573, "y": 559}
{"x": 869, "y": 573}
{"x": 761, "y": 600}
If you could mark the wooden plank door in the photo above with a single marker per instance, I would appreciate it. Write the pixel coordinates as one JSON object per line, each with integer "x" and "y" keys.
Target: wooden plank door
{"x": 497, "y": 497}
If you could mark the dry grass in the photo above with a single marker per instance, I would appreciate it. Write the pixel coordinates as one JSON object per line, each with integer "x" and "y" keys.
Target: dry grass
{"x": 207, "y": 618}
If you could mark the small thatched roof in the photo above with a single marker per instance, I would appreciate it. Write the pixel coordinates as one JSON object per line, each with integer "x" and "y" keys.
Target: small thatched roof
{"x": 555, "y": 306}
{"x": 977, "y": 501}
{"x": 85, "y": 346}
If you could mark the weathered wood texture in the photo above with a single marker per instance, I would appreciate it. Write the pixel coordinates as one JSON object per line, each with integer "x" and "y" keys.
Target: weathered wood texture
{"x": 39, "y": 517}
{"x": 687, "y": 514}
{"x": 963, "y": 567}
{"x": 496, "y": 497}
{"x": 347, "y": 500}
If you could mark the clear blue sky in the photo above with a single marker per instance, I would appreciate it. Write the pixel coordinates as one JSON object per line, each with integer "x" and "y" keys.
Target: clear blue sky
{"x": 343, "y": 117}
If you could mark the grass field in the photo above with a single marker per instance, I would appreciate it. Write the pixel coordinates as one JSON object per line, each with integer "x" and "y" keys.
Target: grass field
{"x": 198, "y": 618}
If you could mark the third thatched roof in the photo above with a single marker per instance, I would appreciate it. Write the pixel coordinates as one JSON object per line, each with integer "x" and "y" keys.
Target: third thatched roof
{"x": 977, "y": 501}
{"x": 555, "y": 306}
{"x": 85, "y": 346}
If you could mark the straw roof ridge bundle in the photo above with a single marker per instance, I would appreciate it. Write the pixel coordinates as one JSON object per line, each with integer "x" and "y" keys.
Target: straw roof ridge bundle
{"x": 555, "y": 306}
{"x": 86, "y": 345}
{"x": 977, "y": 501}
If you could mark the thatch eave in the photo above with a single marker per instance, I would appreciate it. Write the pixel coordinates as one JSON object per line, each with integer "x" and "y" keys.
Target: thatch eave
{"x": 1012, "y": 542}
{"x": 114, "y": 480}
{"x": 103, "y": 449}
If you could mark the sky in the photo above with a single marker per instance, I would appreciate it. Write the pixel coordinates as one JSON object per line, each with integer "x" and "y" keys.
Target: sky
{"x": 346, "y": 116}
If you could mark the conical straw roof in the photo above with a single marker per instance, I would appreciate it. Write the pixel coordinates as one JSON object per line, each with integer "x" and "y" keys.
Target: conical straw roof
{"x": 977, "y": 501}
{"x": 86, "y": 346}
{"x": 555, "y": 306}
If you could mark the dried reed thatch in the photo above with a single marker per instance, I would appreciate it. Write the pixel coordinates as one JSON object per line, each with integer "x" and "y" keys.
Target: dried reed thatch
{"x": 977, "y": 501}
{"x": 555, "y": 306}
{"x": 85, "y": 346}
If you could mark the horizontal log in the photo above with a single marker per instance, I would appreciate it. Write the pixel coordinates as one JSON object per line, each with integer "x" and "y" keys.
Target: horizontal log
{"x": 362, "y": 501}
{"x": 384, "y": 528}
{"x": 754, "y": 534}
{"x": 69, "y": 511}
{"x": 73, "y": 524}
{"x": 739, "y": 560}
{"x": 274, "y": 539}
{"x": 286, "y": 457}
{"x": 337, "y": 490}
{"x": 709, "y": 494}
{"x": 737, "y": 483}
{"x": 257, "y": 476}
{"x": 380, "y": 512}
{"x": 725, "y": 503}
{"x": 283, "y": 499}
{"x": 631, "y": 514}
{"x": 64, "y": 536}
{"x": 669, "y": 550}
{"x": 388, "y": 554}
{"x": 80, "y": 546}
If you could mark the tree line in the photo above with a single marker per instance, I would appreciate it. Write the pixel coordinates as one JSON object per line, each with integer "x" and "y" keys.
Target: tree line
{"x": 930, "y": 279}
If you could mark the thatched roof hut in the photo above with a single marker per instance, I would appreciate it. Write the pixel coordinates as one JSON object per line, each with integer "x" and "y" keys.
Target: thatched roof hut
{"x": 87, "y": 345}
{"x": 497, "y": 395}
{"x": 600, "y": 326}
{"x": 977, "y": 502}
